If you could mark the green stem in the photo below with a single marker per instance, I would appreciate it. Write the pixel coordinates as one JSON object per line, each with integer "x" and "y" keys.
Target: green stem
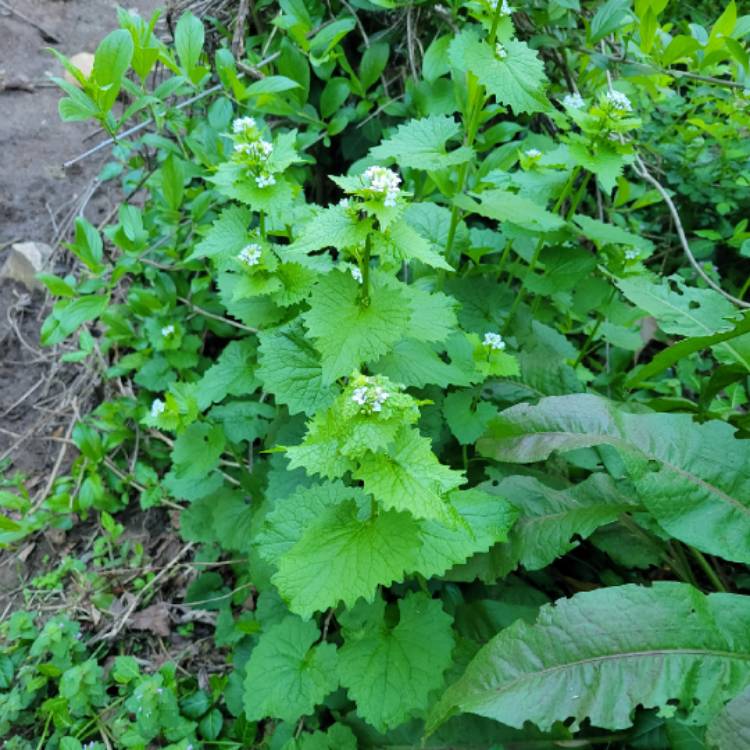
{"x": 366, "y": 274}
{"x": 262, "y": 225}
{"x": 687, "y": 573}
{"x": 540, "y": 244}
{"x": 707, "y": 569}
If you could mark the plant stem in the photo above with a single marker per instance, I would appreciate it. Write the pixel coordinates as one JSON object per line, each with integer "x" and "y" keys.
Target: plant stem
{"x": 262, "y": 225}
{"x": 366, "y": 273}
{"x": 707, "y": 569}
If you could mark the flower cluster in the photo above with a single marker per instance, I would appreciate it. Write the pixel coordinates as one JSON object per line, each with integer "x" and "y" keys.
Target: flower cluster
{"x": 250, "y": 255}
{"x": 370, "y": 397}
{"x": 505, "y": 9}
{"x": 167, "y": 331}
{"x": 493, "y": 341}
{"x": 573, "y": 101}
{"x": 253, "y": 151}
{"x": 532, "y": 153}
{"x": 157, "y": 408}
{"x": 500, "y": 52}
{"x": 632, "y": 254}
{"x": 383, "y": 181}
{"x": 356, "y": 274}
{"x": 618, "y": 101}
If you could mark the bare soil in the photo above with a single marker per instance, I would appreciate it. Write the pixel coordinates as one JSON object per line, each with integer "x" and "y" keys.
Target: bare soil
{"x": 40, "y": 397}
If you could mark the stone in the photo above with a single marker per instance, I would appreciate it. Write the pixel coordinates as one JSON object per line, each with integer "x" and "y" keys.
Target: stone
{"x": 84, "y": 61}
{"x": 25, "y": 260}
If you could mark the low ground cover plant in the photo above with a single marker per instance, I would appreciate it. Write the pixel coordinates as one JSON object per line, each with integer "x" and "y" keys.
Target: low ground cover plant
{"x": 430, "y": 318}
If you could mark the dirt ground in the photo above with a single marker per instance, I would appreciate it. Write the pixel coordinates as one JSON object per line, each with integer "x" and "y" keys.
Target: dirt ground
{"x": 39, "y": 396}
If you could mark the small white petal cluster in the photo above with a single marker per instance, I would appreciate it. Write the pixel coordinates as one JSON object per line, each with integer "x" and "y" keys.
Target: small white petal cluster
{"x": 505, "y": 9}
{"x": 242, "y": 125}
{"x": 370, "y": 398}
{"x": 385, "y": 181}
{"x": 619, "y": 101}
{"x": 532, "y": 153}
{"x": 500, "y": 52}
{"x": 250, "y": 255}
{"x": 494, "y": 341}
{"x": 157, "y": 407}
{"x": 167, "y": 330}
{"x": 632, "y": 254}
{"x": 345, "y": 203}
{"x": 254, "y": 152}
{"x": 356, "y": 274}
{"x": 573, "y": 101}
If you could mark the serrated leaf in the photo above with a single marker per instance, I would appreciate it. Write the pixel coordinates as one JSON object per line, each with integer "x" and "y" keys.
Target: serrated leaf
{"x": 410, "y": 477}
{"x": 502, "y": 205}
{"x": 348, "y": 333}
{"x": 416, "y": 363}
{"x": 421, "y": 144}
{"x": 227, "y": 235}
{"x": 433, "y": 315}
{"x": 693, "y": 478}
{"x": 391, "y": 671}
{"x": 517, "y": 80}
{"x": 289, "y": 367}
{"x": 609, "y": 234}
{"x": 625, "y": 646}
{"x": 402, "y": 243}
{"x": 286, "y": 676}
{"x": 334, "y": 226}
{"x": 342, "y": 557}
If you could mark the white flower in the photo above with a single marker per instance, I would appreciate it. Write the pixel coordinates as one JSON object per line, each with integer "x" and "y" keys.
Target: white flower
{"x": 505, "y": 9}
{"x": 383, "y": 180}
{"x": 494, "y": 341}
{"x": 573, "y": 101}
{"x": 242, "y": 124}
{"x": 345, "y": 203}
{"x": 250, "y": 255}
{"x": 370, "y": 397}
{"x": 167, "y": 330}
{"x": 500, "y": 51}
{"x": 619, "y": 101}
{"x": 157, "y": 407}
{"x": 265, "y": 180}
{"x": 356, "y": 274}
{"x": 532, "y": 153}
{"x": 632, "y": 254}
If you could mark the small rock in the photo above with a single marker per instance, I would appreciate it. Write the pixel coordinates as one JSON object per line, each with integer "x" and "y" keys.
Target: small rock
{"x": 24, "y": 261}
{"x": 84, "y": 61}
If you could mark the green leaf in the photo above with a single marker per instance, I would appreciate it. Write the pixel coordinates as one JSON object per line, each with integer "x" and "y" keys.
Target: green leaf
{"x": 227, "y": 235}
{"x": 409, "y": 477}
{"x": 608, "y": 234}
{"x": 551, "y": 521}
{"x": 69, "y": 315}
{"x": 421, "y": 144}
{"x": 232, "y": 375}
{"x": 333, "y": 96}
{"x": 348, "y": 333}
{"x": 188, "y": 41}
{"x": 286, "y": 676}
{"x": 467, "y": 420}
{"x": 681, "y": 350}
{"x": 608, "y": 19}
{"x": 289, "y": 368}
{"x": 730, "y": 730}
{"x": 88, "y": 245}
{"x": 197, "y": 450}
{"x": 373, "y": 63}
{"x": 271, "y": 85}
{"x": 683, "y": 310}
{"x": 688, "y": 648}
{"x": 693, "y": 478}
{"x": 402, "y": 243}
{"x": 390, "y": 671}
{"x": 517, "y": 80}
{"x": 211, "y": 724}
{"x": 344, "y": 555}
{"x": 503, "y": 206}
{"x": 332, "y": 227}
{"x": 111, "y": 61}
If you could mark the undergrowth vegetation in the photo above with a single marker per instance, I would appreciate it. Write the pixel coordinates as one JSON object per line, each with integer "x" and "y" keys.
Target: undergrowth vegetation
{"x": 429, "y": 321}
